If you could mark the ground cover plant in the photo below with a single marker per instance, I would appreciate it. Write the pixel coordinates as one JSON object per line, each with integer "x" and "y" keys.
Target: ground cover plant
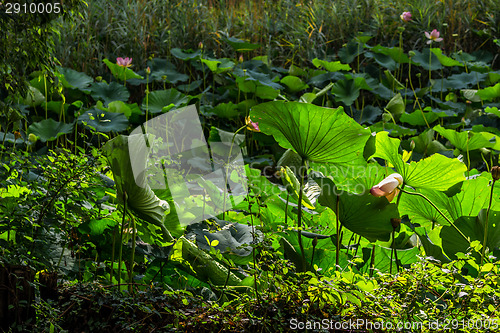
{"x": 225, "y": 186}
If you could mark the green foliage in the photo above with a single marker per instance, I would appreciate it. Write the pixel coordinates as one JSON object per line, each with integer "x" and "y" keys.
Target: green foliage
{"x": 309, "y": 240}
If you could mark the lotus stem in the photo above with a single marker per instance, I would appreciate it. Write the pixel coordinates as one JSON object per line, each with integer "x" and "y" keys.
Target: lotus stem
{"x": 337, "y": 245}
{"x": 120, "y": 252}
{"x": 299, "y": 217}
{"x": 132, "y": 255}
{"x": 227, "y": 170}
{"x": 487, "y": 222}
{"x": 372, "y": 261}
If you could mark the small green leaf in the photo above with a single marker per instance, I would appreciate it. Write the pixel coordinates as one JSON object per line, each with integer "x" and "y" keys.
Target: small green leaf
{"x": 331, "y": 66}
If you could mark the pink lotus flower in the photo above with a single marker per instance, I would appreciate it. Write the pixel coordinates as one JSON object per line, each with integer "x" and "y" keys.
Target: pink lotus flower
{"x": 252, "y": 126}
{"x": 433, "y": 36}
{"x": 406, "y": 16}
{"x": 388, "y": 187}
{"x": 124, "y": 62}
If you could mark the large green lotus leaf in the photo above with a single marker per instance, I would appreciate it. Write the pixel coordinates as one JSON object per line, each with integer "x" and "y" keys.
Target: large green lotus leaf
{"x": 474, "y": 228}
{"x": 331, "y": 66}
{"x": 240, "y": 45}
{"x": 427, "y": 62}
{"x": 350, "y": 51}
{"x": 363, "y": 214}
{"x": 396, "y": 53}
{"x": 473, "y": 195}
{"x": 460, "y": 81}
{"x": 162, "y": 68}
{"x": 120, "y": 72}
{"x": 164, "y": 100}
{"x": 315, "y": 133}
{"x": 49, "y": 129}
{"x": 469, "y": 140}
{"x": 224, "y": 110}
{"x": 260, "y": 90}
{"x": 444, "y": 60}
{"x": 355, "y": 179}
{"x": 73, "y": 79}
{"x": 416, "y": 118}
{"x": 345, "y": 91}
{"x": 436, "y": 172}
{"x": 363, "y": 81}
{"x": 489, "y": 93}
{"x": 34, "y": 97}
{"x": 129, "y": 110}
{"x": 294, "y": 83}
{"x": 109, "y": 92}
{"x": 367, "y": 115}
{"x": 103, "y": 121}
{"x": 383, "y": 60}
{"x": 396, "y": 105}
{"x": 141, "y": 199}
{"x": 387, "y": 148}
{"x": 180, "y": 54}
{"x": 218, "y": 65}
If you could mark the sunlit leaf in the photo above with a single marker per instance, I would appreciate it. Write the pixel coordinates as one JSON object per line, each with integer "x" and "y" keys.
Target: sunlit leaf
{"x": 315, "y": 133}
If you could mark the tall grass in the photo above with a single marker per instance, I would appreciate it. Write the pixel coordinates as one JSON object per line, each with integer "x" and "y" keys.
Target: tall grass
{"x": 288, "y": 30}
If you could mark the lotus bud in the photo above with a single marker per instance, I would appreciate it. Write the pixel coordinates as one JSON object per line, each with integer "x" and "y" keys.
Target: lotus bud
{"x": 251, "y": 125}
{"x": 32, "y": 138}
{"x": 200, "y": 45}
{"x": 412, "y": 145}
{"x": 98, "y": 78}
{"x": 388, "y": 187}
{"x": 495, "y": 172}
{"x": 411, "y": 53}
{"x": 164, "y": 77}
{"x": 148, "y": 70}
{"x": 405, "y": 16}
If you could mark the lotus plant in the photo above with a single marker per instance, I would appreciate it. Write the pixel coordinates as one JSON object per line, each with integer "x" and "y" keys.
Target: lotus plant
{"x": 388, "y": 187}
{"x": 433, "y": 36}
{"x": 251, "y": 125}
{"x": 406, "y": 16}
{"x": 124, "y": 62}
